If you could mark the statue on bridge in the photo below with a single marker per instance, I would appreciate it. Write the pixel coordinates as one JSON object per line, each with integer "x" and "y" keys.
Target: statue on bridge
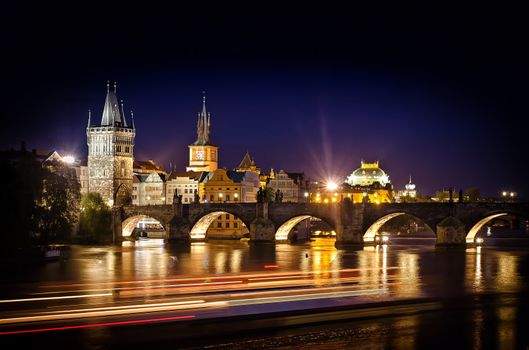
{"x": 260, "y": 195}
{"x": 279, "y": 196}
{"x": 197, "y": 198}
{"x": 460, "y": 195}
{"x": 177, "y": 198}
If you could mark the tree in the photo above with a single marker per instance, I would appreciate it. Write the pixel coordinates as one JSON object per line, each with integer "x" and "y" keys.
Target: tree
{"x": 22, "y": 173}
{"x": 96, "y": 219}
{"x": 58, "y": 208}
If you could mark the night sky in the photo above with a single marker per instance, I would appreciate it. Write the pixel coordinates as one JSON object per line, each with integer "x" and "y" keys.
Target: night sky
{"x": 438, "y": 93}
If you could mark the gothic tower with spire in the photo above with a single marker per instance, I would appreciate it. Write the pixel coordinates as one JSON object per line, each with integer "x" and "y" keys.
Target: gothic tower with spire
{"x": 203, "y": 155}
{"x": 110, "y": 152}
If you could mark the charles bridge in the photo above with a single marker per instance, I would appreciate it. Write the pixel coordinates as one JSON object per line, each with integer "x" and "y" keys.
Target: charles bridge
{"x": 355, "y": 224}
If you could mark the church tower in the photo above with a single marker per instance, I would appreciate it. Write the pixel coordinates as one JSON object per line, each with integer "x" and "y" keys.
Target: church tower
{"x": 110, "y": 152}
{"x": 203, "y": 156}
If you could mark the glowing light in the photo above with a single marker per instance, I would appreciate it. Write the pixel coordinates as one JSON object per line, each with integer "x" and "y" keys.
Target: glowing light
{"x": 105, "y": 324}
{"x": 326, "y": 200}
{"x": 385, "y": 239}
{"x": 504, "y": 193}
{"x": 56, "y": 298}
{"x": 236, "y": 195}
{"x": 68, "y": 159}
{"x": 306, "y": 194}
{"x": 271, "y": 266}
{"x": 332, "y": 186}
{"x": 479, "y": 240}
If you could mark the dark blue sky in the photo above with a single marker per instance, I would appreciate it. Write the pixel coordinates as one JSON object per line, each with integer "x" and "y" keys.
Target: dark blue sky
{"x": 435, "y": 93}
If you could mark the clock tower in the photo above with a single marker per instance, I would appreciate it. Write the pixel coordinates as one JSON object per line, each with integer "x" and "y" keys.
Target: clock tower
{"x": 203, "y": 155}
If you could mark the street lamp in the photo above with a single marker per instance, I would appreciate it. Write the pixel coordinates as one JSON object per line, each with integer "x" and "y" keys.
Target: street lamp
{"x": 332, "y": 186}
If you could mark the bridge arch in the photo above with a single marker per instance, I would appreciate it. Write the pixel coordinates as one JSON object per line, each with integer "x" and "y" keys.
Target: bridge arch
{"x": 285, "y": 228}
{"x": 130, "y": 223}
{"x": 474, "y": 230}
{"x": 370, "y": 233}
{"x": 201, "y": 225}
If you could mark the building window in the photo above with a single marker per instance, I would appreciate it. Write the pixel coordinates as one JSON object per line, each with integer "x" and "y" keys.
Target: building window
{"x": 122, "y": 168}
{"x": 227, "y": 197}
{"x": 219, "y": 224}
{"x": 227, "y": 216}
{"x": 227, "y": 225}
{"x": 211, "y": 198}
{"x": 235, "y": 225}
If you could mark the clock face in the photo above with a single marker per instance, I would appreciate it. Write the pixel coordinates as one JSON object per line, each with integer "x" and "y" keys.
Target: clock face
{"x": 199, "y": 155}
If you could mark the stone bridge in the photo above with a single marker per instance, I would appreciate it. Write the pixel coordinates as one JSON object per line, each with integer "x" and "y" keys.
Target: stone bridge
{"x": 453, "y": 224}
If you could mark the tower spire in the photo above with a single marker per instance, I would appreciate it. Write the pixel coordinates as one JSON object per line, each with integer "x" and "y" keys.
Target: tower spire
{"x": 89, "y": 118}
{"x": 132, "y": 116}
{"x": 123, "y": 114}
{"x": 111, "y": 113}
{"x": 115, "y": 87}
{"x": 203, "y": 124}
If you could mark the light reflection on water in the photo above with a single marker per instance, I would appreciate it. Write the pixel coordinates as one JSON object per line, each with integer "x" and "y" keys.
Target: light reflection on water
{"x": 405, "y": 270}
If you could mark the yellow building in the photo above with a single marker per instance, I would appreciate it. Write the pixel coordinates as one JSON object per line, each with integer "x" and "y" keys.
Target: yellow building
{"x": 223, "y": 186}
{"x": 203, "y": 155}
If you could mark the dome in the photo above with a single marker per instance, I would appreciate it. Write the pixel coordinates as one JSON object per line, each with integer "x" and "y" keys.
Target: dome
{"x": 367, "y": 175}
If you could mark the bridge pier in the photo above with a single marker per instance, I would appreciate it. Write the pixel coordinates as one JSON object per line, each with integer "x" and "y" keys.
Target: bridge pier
{"x": 349, "y": 226}
{"x": 349, "y": 235}
{"x": 262, "y": 229}
{"x": 451, "y": 232}
{"x": 178, "y": 229}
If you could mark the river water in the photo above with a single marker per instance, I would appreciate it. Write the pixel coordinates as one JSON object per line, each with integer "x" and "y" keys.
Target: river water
{"x": 481, "y": 291}
{"x": 419, "y": 268}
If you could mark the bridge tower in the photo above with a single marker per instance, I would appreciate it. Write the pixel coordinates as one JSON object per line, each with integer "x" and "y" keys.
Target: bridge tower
{"x": 203, "y": 155}
{"x": 110, "y": 152}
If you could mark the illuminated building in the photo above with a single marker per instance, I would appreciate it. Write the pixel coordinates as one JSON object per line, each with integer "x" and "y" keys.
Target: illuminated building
{"x": 248, "y": 164}
{"x": 203, "y": 155}
{"x": 223, "y": 186}
{"x": 367, "y": 175}
{"x": 290, "y": 185}
{"x": 182, "y": 183}
{"x": 367, "y": 184}
{"x": 147, "y": 167}
{"x": 110, "y": 152}
{"x": 408, "y": 192}
{"x": 148, "y": 189}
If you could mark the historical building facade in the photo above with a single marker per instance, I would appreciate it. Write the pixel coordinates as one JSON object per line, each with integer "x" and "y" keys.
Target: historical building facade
{"x": 184, "y": 184}
{"x": 148, "y": 189}
{"x": 289, "y": 187}
{"x": 111, "y": 152}
{"x": 203, "y": 155}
